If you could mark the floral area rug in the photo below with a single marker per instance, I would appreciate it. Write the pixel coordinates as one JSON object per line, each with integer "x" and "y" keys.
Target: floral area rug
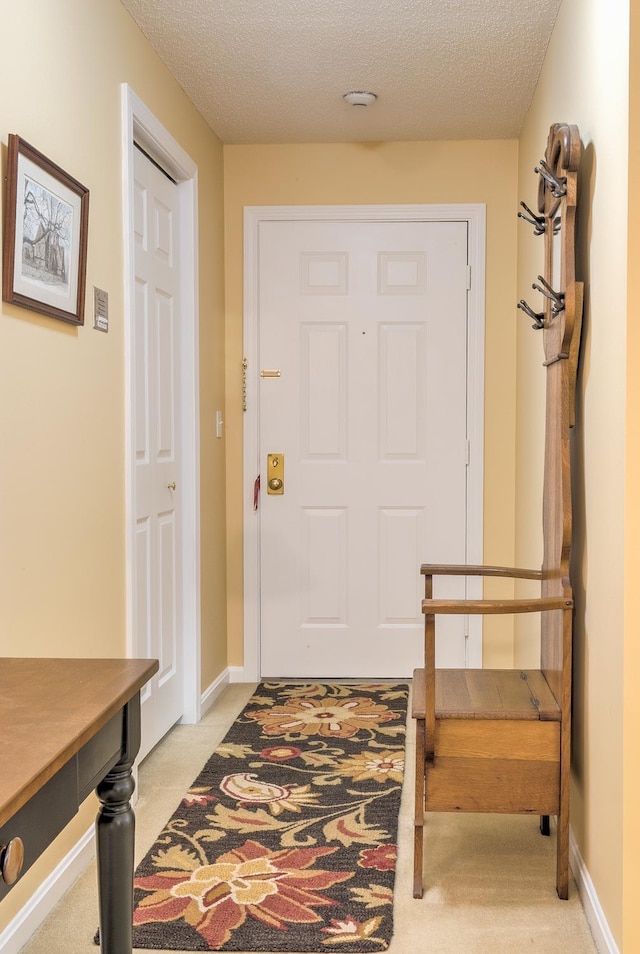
{"x": 286, "y": 841}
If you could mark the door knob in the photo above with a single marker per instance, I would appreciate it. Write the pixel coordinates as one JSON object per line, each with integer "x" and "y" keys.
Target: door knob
{"x": 11, "y": 860}
{"x": 275, "y": 473}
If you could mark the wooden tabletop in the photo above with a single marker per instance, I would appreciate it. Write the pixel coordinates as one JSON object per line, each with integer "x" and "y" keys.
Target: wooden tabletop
{"x": 49, "y": 708}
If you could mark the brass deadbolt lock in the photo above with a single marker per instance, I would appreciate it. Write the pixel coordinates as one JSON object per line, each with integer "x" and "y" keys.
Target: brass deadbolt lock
{"x": 275, "y": 473}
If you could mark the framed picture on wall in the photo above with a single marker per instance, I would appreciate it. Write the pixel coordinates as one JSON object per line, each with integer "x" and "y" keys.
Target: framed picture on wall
{"x": 45, "y": 235}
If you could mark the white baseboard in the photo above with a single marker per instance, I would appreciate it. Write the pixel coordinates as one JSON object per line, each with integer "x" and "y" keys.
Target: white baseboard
{"x": 236, "y": 674}
{"x": 211, "y": 693}
{"x": 602, "y": 935}
{"x": 42, "y": 902}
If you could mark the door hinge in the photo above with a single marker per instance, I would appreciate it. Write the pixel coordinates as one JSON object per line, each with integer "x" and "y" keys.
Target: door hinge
{"x": 468, "y": 277}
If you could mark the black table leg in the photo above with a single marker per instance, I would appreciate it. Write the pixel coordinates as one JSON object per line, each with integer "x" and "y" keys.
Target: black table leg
{"x": 115, "y": 831}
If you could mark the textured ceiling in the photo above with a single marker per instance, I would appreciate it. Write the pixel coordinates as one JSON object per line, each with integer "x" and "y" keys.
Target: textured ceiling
{"x": 273, "y": 71}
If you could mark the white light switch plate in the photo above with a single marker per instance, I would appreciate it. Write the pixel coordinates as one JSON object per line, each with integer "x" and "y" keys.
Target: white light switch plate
{"x": 100, "y": 309}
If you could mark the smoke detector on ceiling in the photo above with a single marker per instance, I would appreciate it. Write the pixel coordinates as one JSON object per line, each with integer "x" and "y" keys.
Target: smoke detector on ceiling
{"x": 360, "y": 97}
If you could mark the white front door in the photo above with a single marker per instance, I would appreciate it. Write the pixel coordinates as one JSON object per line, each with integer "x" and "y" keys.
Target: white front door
{"x": 157, "y": 492}
{"x": 366, "y": 324}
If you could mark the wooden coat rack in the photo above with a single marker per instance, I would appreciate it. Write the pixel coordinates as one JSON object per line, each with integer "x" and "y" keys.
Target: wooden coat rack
{"x": 499, "y": 740}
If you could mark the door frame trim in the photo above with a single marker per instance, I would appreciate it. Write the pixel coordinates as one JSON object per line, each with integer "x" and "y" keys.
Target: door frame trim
{"x": 475, "y": 217}
{"x": 139, "y": 123}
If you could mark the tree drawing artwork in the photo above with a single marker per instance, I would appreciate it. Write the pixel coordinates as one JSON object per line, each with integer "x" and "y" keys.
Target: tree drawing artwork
{"x": 46, "y": 236}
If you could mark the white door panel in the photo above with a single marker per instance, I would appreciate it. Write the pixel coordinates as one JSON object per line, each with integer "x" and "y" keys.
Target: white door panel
{"x": 157, "y": 447}
{"x": 367, "y": 324}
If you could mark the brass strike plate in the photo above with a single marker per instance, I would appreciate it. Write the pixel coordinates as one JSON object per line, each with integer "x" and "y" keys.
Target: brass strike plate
{"x": 275, "y": 473}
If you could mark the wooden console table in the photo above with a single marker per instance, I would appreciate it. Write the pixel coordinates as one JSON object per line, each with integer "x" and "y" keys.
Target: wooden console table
{"x": 68, "y": 726}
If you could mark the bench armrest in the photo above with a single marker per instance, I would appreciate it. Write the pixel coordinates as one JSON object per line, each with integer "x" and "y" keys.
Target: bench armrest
{"x": 480, "y": 607}
{"x": 448, "y": 569}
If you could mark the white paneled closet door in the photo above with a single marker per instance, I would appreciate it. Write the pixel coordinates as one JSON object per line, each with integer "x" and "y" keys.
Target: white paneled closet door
{"x": 158, "y": 558}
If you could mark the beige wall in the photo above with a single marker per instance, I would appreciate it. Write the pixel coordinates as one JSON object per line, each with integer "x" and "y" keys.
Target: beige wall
{"x": 379, "y": 173}
{"x": 631, "y": 714}
{"x": 585, "y": 81}
{"x": 62, "y": 533}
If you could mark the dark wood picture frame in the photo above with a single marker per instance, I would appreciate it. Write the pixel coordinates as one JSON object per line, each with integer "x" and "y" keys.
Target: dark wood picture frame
{"x": 44, "y": 259}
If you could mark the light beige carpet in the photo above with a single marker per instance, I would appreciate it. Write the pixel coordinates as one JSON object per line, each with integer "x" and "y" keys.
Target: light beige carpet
{"x": 489, "y": 880}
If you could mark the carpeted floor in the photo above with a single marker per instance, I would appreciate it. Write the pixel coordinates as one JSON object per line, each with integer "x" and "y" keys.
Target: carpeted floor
{"x": 286, "y": 841}
{"x": 489, "y": 879}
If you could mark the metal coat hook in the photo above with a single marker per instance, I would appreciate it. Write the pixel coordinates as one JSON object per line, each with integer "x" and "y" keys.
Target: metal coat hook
{"x": 558, "y": 185}
{"x": 538, "y": 221}
{"x": 536, "y": 316}
{"x": 556, "y": 298}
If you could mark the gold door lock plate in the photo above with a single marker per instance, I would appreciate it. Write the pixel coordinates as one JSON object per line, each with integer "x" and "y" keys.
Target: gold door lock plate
{"x": 275, "y": 473}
